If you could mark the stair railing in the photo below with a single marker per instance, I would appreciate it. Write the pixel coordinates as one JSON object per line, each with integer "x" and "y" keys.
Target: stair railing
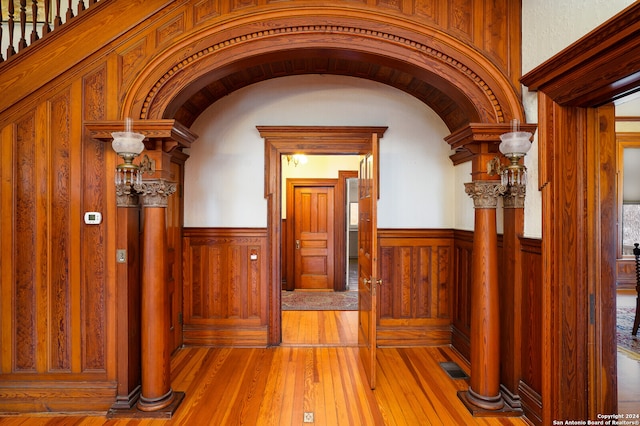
{"x": 23, "y": 23}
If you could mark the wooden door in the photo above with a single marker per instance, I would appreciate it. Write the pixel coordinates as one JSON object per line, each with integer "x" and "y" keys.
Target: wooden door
{"x": 314, "y": 237}
{"x": 367, "y": 261}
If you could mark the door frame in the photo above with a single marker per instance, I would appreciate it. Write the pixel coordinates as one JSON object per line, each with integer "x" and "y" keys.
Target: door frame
{"x": 287, "y": 243}
{"x": 284, "y": 140}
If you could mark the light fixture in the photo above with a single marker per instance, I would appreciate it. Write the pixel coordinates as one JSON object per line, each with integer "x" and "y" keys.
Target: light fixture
{"x": 128, "y": 145}
{"x": 514, "y": 146}
{"x": 296, "y": 159}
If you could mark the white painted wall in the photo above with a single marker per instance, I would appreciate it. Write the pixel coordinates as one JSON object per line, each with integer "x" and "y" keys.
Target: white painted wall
{"x": 224, "y": 178}
{"x": 548, "y": 26}
{"x": 419, "y": 187}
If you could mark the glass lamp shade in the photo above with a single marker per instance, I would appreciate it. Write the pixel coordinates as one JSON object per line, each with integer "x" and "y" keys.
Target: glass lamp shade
{"x": 515, "y": 144}
{"x": 127, "y": 143}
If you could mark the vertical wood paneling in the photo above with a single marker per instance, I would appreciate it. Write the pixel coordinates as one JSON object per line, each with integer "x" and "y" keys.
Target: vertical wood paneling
{"x": 461, "y": 316}
{"x": 225, "y": 289}
{"x": 7, "y": 229}
{"x": 532, "y": 314}
{"x": 25, "y": 246}
{"x": 426, "y": 264}
{"x": 415, "y": 266}
{"x": 442, "y": 298}
{"x": 94, "y": 237}
{"x": 60, "y": 278}
{"x": 254, "y": 283}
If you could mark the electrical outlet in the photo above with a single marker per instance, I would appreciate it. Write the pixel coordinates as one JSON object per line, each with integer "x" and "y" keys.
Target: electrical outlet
{"x": 308, "y": 418}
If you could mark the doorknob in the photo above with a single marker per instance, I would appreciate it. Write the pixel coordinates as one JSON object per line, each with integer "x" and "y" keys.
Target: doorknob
{"x": 297, "y": 244}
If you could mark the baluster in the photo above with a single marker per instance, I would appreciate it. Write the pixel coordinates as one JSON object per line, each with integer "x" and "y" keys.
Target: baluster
{"x": 46, "y": 28}
{"x": 34, "y": 20}
{"x": 80, "y": 6}
{"x": 23, "y": 25}
{"x": 1, "y": 21}
{"x": 57, "y": 21}
{"x": 11, "y": 26}
{"x": 69, "y": 12}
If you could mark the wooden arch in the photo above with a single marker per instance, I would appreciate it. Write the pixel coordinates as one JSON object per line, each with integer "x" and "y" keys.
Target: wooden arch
{"x": 475, "y": 89}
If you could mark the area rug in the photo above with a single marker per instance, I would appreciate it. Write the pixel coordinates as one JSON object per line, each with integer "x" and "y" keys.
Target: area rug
{"x": 319, "y": 300}
{"x": 627, "y": 343}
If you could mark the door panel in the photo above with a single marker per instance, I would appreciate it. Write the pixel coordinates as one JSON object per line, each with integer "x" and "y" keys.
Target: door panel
{"x": 314, "y": 237}
{"x": 367, "y": 261}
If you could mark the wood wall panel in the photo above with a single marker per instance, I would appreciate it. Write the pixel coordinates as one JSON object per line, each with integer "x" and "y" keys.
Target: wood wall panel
{"x": 225, "y": 288}
{"x": 56, "y": 273}
{"x": 61, "y": 240}
{"x": 461, "y": 294}
{"x": 415, "y": 267}
{"x": 26, "y": 229}
{"x": 94, "y": 285}
{"x": 531, "y": 352}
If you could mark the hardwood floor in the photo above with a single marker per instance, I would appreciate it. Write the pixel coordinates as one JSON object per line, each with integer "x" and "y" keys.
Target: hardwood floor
{"x": 320, "y": 375}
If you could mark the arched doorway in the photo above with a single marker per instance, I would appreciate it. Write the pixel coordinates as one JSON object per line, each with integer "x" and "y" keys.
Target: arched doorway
{"x": 461, "y": 86}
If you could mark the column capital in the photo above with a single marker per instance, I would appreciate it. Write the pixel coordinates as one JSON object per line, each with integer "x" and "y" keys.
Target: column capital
{"x": 125, "y": 196}
{"x": 485, "y": 193}
{"x": 513, "y": 197}
{"x": 154, "y": 193}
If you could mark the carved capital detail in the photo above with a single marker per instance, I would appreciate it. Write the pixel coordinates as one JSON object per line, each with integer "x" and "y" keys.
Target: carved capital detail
{"x": 126, "y": 196}
{"x": 484, "y": 193}
{"x": 154, "y": 193}
{"x": 514, "y": 195}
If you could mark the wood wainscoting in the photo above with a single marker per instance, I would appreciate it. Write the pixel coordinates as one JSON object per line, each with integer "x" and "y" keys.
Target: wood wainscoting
{"x": 530, "y": 386}
{"x": 225, "y": 286}
{"x": 415, "y": 297}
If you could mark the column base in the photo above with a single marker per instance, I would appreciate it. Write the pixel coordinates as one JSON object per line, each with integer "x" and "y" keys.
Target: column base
{"x": 134, "y": 412}
{"x": 128, "y": 401}
{"x": 494, "y": 407}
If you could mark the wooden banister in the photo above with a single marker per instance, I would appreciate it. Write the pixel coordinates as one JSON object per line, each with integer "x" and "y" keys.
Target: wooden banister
{"x": 36, "y": 26}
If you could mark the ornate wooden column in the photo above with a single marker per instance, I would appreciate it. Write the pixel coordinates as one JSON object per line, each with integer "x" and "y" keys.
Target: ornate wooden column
{"x": 147, "y": 362}
{"x": 510, "y": 288}
{"x": 484, "y": 388}
{"x": 479, "y": 144}
{"x": 156, "y": 374}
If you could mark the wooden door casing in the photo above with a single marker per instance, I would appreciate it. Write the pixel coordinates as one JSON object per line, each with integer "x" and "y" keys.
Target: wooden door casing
{"x": 314, "y": 235}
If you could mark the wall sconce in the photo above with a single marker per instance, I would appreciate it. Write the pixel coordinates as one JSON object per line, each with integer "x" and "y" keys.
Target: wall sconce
{"x": 128, "y": 145}
{"x": 296, "y": 159}
{"x": 514, "y": 146}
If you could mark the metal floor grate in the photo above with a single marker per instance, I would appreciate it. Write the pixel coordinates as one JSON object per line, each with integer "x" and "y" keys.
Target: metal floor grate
{"x": 453, "y": 370}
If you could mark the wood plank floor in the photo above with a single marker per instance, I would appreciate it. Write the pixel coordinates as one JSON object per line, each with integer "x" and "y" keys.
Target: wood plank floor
{"x": 319, "y": 374}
